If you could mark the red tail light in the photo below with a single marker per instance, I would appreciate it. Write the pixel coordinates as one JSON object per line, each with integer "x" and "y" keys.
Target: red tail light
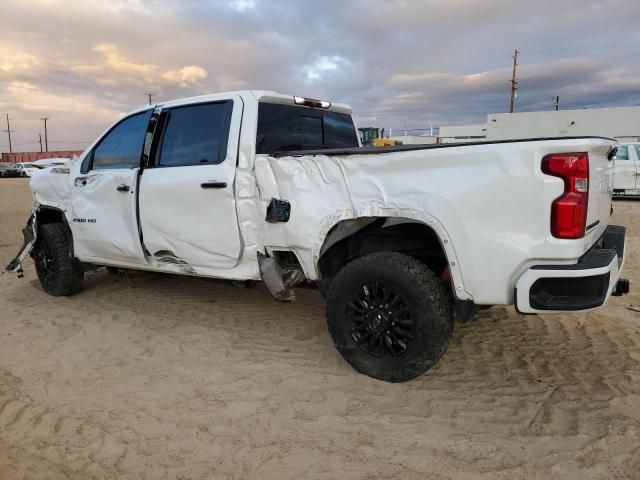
{"x": 569, "y": 210}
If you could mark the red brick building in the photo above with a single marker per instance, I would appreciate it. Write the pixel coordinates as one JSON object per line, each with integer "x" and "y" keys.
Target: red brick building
{"x": 33, "y": 156}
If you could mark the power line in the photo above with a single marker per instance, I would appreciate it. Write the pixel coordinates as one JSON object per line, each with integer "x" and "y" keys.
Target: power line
{"x": 18, "y": 144}
{"x": 514, "y": 82}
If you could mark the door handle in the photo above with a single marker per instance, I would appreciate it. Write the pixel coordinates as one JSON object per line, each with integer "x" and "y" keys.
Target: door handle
{"x": 214, "y": 185}
{"x": 123, "y": 188}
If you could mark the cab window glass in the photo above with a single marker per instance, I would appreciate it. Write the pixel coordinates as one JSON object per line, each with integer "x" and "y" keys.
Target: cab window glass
{"x": 622, "y": 153}
{"x": 122, "y": 147}
{"x": 637, "y": 147}
{"x": 196, "y": 135}
{"x": 287, "y": 127}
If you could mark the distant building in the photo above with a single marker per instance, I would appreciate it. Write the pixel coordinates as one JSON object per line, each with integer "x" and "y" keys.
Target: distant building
{"x": 621, "y": 123}
{"x": 414, "y": 139}
{"x": 33, "y": 156}
{"x": 463, "y": 133}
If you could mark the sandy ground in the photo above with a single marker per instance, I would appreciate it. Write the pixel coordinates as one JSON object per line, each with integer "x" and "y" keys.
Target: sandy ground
{"x": 150, "y": 376}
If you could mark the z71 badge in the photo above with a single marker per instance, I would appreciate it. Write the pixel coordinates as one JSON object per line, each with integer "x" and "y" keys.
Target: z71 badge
{"x": 84, "y": 220}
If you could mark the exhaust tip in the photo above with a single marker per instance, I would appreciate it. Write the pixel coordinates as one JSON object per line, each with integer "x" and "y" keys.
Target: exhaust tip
{"x": 621, "y": 288}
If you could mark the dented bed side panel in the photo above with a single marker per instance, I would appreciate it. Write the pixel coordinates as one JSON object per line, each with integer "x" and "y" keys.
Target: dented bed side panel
{"x": 477, "y": 199}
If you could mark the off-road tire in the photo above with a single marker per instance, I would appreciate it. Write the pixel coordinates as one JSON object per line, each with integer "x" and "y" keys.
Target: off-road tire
{"x": 425, "y": 298}
{"x": 57, "y": 270}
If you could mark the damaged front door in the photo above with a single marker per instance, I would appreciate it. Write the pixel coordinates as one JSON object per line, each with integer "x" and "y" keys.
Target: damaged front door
{"x": 187, "y": 201}
{"x": 103, "y": 206}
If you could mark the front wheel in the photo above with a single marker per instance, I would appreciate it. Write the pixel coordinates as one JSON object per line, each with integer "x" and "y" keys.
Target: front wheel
{"x": 389, "y": 316}
{"x": 57, "y": 271}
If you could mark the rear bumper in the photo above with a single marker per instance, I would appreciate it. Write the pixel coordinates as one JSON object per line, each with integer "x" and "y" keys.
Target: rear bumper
{"x": 581, "y": 286}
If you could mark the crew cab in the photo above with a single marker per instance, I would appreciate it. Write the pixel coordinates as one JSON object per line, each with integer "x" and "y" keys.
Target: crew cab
{"x": 400, "y": 240}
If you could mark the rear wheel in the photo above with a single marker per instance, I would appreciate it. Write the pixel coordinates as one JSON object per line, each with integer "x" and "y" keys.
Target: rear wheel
{"x": 56, "y": 268}
{"x": 389, "y": 316}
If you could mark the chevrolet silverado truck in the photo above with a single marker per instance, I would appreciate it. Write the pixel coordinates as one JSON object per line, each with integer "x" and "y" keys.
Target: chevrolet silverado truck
{"x": 400, "y": 241}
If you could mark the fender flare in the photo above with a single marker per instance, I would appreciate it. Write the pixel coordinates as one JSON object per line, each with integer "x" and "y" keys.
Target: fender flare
{"x": 393, "y": 216}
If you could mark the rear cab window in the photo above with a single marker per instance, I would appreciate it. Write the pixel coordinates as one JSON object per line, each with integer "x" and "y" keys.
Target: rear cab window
{"x": 291, "y": 128}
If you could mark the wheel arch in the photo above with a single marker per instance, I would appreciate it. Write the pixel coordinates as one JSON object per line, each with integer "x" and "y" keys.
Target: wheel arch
{"x": 45, "y": 214}
{"x": 423, "y": 238}
{"x": 48, "y": 214}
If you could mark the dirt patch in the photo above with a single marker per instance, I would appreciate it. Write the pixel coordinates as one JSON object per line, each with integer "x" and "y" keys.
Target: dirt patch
{"x": 152, "y": 376}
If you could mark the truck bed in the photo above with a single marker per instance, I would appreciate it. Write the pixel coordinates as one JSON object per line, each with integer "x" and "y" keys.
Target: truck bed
{"x": 407, "y": 148}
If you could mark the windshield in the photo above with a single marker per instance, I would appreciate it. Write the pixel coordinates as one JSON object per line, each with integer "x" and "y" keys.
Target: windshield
{"x": 286, "y": 127}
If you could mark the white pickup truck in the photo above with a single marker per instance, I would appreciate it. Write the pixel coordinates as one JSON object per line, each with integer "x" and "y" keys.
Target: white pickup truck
{"x": 256, "y": 185}
{"x": 627, "y": 160}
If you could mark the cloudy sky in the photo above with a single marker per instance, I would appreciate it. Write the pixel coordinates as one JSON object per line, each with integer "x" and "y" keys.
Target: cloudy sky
{"x": 419, "y": 62}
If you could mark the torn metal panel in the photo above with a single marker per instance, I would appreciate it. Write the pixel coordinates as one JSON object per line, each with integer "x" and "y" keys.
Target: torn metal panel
{"x": 272, "y": 276}
{"x": 169, "y": 258}
{"x": 30, "y": 236}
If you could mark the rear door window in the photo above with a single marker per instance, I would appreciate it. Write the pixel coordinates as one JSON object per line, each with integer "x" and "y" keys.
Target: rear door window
{"x": 196, "y": 135}
{"x": 286, "y": 127}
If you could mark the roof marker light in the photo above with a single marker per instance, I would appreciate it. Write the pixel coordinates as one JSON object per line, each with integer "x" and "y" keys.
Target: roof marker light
{"x": 311, "y": 102}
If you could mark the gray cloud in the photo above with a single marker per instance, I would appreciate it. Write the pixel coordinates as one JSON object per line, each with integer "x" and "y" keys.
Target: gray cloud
{"x": 395, "y": 61}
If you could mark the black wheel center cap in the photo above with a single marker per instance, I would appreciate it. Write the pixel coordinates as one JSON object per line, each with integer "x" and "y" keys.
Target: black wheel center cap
{"x": 378, "y": 320}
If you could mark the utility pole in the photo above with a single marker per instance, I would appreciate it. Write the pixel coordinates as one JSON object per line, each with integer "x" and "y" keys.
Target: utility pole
{"x": 8, "y": 130}
{"x": 514, "y": 82}
{"x": 40, "y": 137}
{"x": 556, "y": 102}
{"x": 149, "y": 95}
{"x": 46, "y": 140}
